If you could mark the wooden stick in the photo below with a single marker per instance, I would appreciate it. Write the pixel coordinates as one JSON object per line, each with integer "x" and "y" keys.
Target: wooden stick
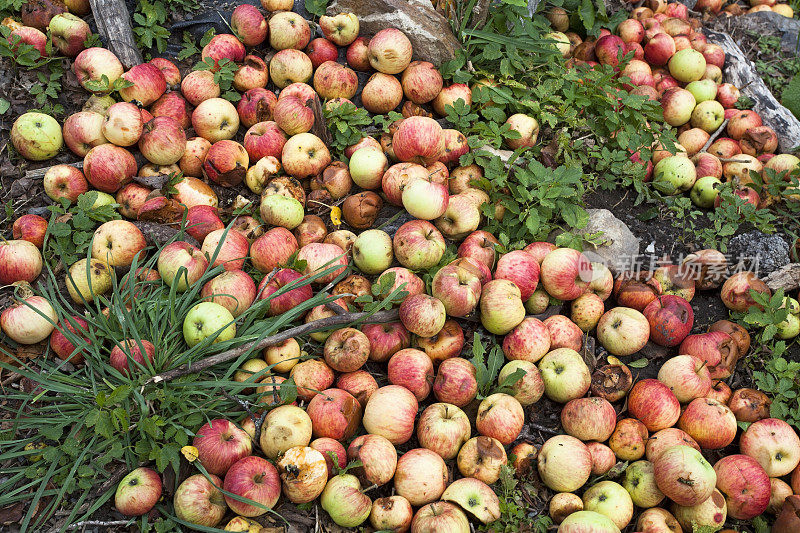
{"x": 114, "y": 25}
{"x": 714, "y": 135}
{"x": 229, "y": 355}
{"x": 39, "y": 173}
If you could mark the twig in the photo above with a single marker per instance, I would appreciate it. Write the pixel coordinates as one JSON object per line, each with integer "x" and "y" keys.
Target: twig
{"x": 714, "y": 135}
{"x": 40, "y": 172}
{"x": 732, "y": 160}
{"x": 258, "y": 421}
{"x": 543, "y": 429}
{"x": 113, "y": 480}
{"x": 297, "y": 331}
{"x": 85, "y": 523}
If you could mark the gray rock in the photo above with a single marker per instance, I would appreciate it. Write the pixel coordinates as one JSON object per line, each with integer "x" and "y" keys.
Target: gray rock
{"x": 620, "y": 246}
{"x": 759, "y": 252}
{"x": 428, "y": 30}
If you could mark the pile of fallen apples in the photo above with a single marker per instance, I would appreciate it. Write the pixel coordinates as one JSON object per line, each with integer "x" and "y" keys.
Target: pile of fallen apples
{"x": 342, "y": 414}
{"x": 675, "y": 65}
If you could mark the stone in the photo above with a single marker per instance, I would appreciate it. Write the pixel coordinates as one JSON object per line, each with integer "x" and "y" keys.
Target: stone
{"x": 620, "y": 246}
{"x": 428, "y": 31}
{"x": 787, "y": 278}
{"x": 759, "y": 252}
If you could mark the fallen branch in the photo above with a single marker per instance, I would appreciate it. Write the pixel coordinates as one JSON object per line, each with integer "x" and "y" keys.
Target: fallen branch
{"x": 229, "y": 355}
{"x": 85, "y": 523}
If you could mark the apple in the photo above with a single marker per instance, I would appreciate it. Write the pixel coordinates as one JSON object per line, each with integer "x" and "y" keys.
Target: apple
{"x": 563, "y": 333}
{"x": 31, "y": 228}
{"x": 774, "y": 444}
{"x": 129, "y": 351}
{"x": 443, "y": 428}
{"x": 476, "y": 497}
{"x": 612, "y": 381}
{"x": 199, "y": 86}
{"x": 358, "y": 55}
{"x": 529, "y": 341}
{"x": 288, "y": 30}
{"x": 252, "y": 74}
{"x": 390, "y": 412}
{"x": 609, "y": 499}
{"x": 677, "y": 105}
{"x": 687, "y": 65}
{"x": 482, "y": 458}
{"x": 456, "y": 382}
{"x": 62, "y": 344}
{"x": 171, "y": 73}
{"x": 586, "y": 311}
{"x": 285, "y": 427}
{"x": 749, "y": 405}
{"x": 421, "y": 82}
{"x": 589, "y": 419}
{"x": 480, "y": 246}
{"x": 674, "y": 174}
{"x": 322, "y": 257}
{"x": 565, "y": 375}
{"x": 333, "y": 451}
{"x": 404, "y": 279}
{"x": 191, "y": 162}
{"x": 657, "y": 520}
{"x": 87, "y": 280}
{"x": 93, "y": 63}
{"x": 710, "y": 423}
{"x": 290, "y": 66}
{"x": 529, "y": 388}
{"x": 563, "y": 505}
{"x": 208, "y": 319}
{"x": 443, "y": 517}
{"x": 36, "y": 136}
{"x": 565, "y": 273}
{"x": 628, "y": 440}
{"x": 745, "y": 484}
{"x": 779, "y": 491}
{"x": 215, "y": 119}
{"x": 623, "y": 331}
{"x": 418, "y": 140}
{"x": 304, "y": 473}
{"x": 418, "y": 245}
{"x": 175, "y": 106}
{"x": 640, "y": 483}
{"x": 581, "y": 521}
{"x": 277, "y": 5}
{"x": 686, "y": 376}
{"x": 118, "y": 242}
{"x": 421, "y": 476}
{"x": 311, "y": 376}
{"x": 422, "y": 315}
{"x": 684, "y": 476}
{"x": 220, "y": 443}
{"x": 457, "y": 288}
{"x": 735, "y": 291}
{"x": 389, "y": 51}
{"x": 198, "y": 500}
{"x": 138, "y": 492}
{"x": 711, "y": 512}
{"x": 378, "y": 459}
{"x": 528, "y": 129}
{"x": 83, "y": 131}
{"x": 304, "y": 155}
{"x": 253, "y": 478}
{"x": 501, "y": 306}
{"x": 367, "y": 167}
{"x": 500, "y": 416}
{"x": 249, "y": 25}
{"x": 671, "y": 319}
{"x": 652, "y": 402}
{"x": 320, "y": 50}
{"x": 29, "y": 320}
{"x": 181, "y": 264}
{"x": 564, "y": 463}
{"x": 148, "y": 84}
{"x": 223, "y": 46}
{"x": 345, "y": 502}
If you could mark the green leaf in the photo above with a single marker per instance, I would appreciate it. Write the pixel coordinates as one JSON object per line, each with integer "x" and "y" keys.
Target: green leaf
{"x": 4, "y": 106}
{"x": 639, "y": 363}
{"x": 790, "y": 97}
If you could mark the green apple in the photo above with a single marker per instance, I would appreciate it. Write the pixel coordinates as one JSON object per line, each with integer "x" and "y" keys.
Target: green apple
{"x": 587, "y": 521}
{"x": 789, "y": 328}
{"x": 345, "y": 503}
{"x": 36, "y": 136}
{"x": 703, "y": 90}
{"x": 674, "y": 174}
{"x": 640, "y": 482}
{"x": 372, "y": 251}
{"x": 610, "y": 499}
{"x": 687, "y": 65}
{"x": 204, "y": 320}
{"x": 708, "y": 116}
{"x": 367, "y": 167}
{"x": 103, "y": 198}
{"x": 705, "y": 191}
{"x": 792, "y": 305}
{"x": 279, "y": 210}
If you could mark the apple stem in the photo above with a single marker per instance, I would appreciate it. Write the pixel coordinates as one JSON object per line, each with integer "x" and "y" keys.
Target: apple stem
{"x": 364, "y": 491}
